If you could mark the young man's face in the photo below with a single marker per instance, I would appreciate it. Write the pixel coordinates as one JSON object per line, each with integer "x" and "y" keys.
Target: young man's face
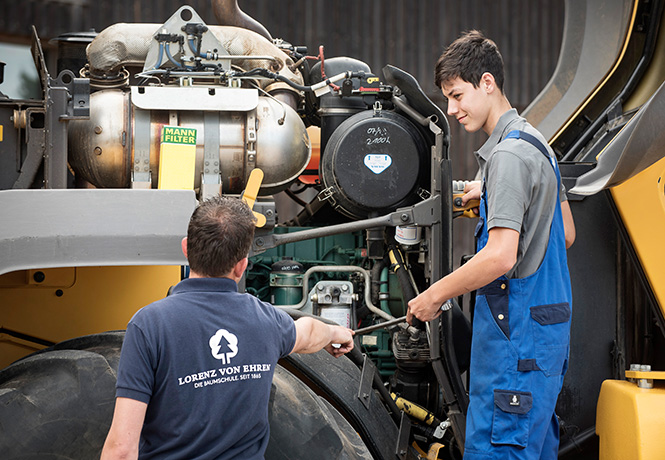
{"x": 469, "y": 105}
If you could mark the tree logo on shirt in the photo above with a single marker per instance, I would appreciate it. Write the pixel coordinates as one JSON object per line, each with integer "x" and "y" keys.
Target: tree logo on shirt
{"x": 223, "y": 345}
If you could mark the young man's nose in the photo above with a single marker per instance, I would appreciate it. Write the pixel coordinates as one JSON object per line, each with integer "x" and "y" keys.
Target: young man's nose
{"x": 452, "y": 108}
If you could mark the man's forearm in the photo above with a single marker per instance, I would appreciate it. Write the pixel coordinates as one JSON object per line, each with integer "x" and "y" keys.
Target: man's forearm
{"x": 494, "y": 260}
{"x": 122, "y": 441}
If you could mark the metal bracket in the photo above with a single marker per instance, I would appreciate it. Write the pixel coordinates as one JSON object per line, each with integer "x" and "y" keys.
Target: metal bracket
{"x": 402, "y": 447}
{"x": 426, "y": 213}
{"x": 211, "y": 180}
{"x": 65, "y": 98}
{"x": 251, "y": 141}
{"x": 141, "y": 167}
{"x": 366, "y": 379}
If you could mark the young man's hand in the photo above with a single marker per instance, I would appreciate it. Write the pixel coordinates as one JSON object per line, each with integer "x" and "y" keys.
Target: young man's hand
{"x": 472, "y": 191}
{"x": 424, "y": 307}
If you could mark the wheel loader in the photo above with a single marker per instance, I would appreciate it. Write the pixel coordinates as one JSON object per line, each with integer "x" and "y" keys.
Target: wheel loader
{"x": 348, "y": 171}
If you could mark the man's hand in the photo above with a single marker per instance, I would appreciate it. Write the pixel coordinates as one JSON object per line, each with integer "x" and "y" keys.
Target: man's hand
{"x": 424, "y": 307}
{"x": 342, "y": 341}
{"x": 472, "y": 191}
{"x": 313, "y": 335}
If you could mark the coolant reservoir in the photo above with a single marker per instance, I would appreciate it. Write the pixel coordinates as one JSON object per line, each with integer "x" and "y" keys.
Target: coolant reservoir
{"x": 237, "y": 131}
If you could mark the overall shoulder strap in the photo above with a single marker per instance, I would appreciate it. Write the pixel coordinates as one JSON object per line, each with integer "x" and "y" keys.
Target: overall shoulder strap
{"x": 533, "y": 140}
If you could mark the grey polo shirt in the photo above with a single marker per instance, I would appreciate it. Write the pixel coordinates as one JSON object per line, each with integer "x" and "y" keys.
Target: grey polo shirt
{"x": 521, "y": 188}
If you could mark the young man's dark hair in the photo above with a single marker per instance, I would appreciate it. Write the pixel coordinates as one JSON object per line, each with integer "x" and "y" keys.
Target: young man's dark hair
{"x": 468, "y": 58}
{"x": 220, "y": 233}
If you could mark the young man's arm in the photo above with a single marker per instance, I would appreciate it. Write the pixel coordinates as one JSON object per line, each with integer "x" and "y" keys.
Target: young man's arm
{"x": 495, "y": 259}
{"x": 313, "y": 335}
{"x": 122, "y": 441}
{"x": 568, "y": 223}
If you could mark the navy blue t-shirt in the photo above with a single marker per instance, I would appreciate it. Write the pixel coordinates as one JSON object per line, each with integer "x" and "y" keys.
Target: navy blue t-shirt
{"x": 203, "y": 360}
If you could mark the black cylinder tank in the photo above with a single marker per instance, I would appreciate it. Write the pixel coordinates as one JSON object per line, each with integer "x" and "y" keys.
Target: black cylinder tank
{"x": 334, "y": 109}
{"x": 374, "y": 163}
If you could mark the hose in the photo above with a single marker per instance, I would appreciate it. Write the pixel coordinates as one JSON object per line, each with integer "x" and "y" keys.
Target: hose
{"x": 317, "y": 88}
{"x": 415, "y": 411}
{"x": 408, "y": 290}
{"x": 338, "y": 269}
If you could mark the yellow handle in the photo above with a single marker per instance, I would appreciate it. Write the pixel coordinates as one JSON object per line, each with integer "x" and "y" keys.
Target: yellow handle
{"x": 252, "y": 192}
{"x": 466, "y": 210}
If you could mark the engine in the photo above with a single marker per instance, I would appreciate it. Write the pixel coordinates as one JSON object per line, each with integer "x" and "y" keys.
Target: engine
{"x": 357, "y": 200}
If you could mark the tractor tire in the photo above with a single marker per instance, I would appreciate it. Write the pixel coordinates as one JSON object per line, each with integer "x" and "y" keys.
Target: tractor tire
{"x": 305, "y": 426}
{"x": 58, "y": 404}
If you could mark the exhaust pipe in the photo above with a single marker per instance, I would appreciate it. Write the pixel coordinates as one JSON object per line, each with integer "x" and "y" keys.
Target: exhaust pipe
{"x": 228, "y": 13}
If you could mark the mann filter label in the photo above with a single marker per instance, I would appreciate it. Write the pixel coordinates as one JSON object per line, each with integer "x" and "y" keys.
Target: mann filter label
{"x": 377, "y": 163}
{"x": 178, "y": 135}
{"x": 177, "y": 158}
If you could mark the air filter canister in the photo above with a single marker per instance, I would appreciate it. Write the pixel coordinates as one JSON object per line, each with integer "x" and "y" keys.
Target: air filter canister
{"x": 373, "y": 163}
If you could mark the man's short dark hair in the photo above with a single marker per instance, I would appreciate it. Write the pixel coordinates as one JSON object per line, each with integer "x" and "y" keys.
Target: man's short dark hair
{"x": 468, "y": 58}
{"x": 220, "y": 234}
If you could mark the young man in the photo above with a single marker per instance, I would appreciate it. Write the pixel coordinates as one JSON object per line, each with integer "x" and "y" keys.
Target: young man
{"x": 521, "y": 321}
{"x": 196, "y": 368}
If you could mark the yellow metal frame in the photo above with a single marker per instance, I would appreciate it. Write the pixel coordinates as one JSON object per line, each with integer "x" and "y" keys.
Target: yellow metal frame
{"x": 61, "y": 303}
{"x": 641, "y": 204}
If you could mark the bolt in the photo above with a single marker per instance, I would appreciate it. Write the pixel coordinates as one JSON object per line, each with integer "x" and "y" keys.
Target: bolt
{"x": 269, "y": 213}
{"x": 259, "y": 242}
{"x": 98, "y": 129}
{"x": 98, "y": 150}
{"x": 345, "y": 287}
{"x": 404, "y": 217}
{"x": 39, "y": 277}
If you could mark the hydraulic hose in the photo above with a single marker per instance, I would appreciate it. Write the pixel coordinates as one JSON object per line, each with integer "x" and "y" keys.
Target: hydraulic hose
{"x": 415, "y": 411}
{"x": 408, "y": 290}
{"x": 318, "y": 88}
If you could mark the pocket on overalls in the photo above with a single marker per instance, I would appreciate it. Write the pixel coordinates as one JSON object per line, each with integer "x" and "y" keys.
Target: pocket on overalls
{"x": 551, "y": 335}
{"x": 510, "y": 423}
{"x": 498, "y": 300}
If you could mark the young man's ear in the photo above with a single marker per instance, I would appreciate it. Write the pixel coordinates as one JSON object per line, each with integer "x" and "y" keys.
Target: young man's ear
{"x": 487, "y": 82}
{"x": 183, "y": 246}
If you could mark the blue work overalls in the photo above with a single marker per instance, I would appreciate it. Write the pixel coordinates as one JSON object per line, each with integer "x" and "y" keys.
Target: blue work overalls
{"x": 519, "y": 351}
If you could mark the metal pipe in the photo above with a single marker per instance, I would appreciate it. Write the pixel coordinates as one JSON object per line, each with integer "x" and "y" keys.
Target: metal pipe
{"x": 368, "y": 329}
{"x": 338, "y": 269}
{"x": 228, "y": 13}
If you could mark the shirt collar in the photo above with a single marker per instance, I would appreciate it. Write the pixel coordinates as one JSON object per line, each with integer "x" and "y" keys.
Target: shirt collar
{"x": 205, "y": 285}
{"x": 502, "y": 127}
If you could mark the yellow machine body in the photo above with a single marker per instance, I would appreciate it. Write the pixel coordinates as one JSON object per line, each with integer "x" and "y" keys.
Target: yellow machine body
{"x": 641, "y": 203}
{"x": 630, "y": 420}
{"x": 61, "y": 303}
